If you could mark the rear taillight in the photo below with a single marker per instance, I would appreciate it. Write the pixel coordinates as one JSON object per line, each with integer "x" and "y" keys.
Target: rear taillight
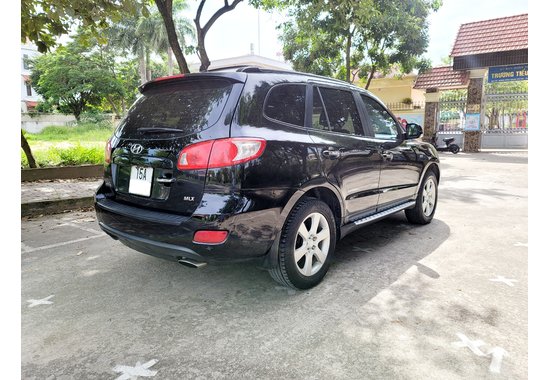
{"x": 220, "y": 153}
{"x": 108, "y": 152}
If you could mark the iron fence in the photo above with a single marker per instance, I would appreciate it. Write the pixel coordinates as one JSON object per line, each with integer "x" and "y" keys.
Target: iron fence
{"x": 401, "y": 106}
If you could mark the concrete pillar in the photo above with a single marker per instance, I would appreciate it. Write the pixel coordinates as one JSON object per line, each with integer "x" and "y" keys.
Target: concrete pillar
{"x": 431, "y": 116}
{"x": 472, "y": 139}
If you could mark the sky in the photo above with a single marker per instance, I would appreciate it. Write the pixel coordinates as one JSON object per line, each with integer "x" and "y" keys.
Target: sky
{"x": 233, "y": 32}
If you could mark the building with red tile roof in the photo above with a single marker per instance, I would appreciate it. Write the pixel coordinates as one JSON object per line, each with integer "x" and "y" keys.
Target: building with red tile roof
{"x": 443, "y": 78}
{"x": 495, "y": 42}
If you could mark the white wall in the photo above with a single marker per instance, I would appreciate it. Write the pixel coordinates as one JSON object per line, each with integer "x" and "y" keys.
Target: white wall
{"x": 36, "y": 123}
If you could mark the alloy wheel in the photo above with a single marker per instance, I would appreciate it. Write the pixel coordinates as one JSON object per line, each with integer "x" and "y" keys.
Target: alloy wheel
{"x": 312, "y": 244}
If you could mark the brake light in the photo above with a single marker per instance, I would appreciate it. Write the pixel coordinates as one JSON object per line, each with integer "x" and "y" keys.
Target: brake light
{"x": 108, "y": 152}
{"x": 220, "y": 153}
{"x": 168, "y": 77}
{"x": 210, "y": 237}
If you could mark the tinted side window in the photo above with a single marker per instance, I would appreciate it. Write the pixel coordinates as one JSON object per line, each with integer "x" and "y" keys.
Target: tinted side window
{"x": 383, "y": 124}
{"x": 319, "y": 119}
{"x": 342, "y": 112}
{"x": 287, "y": 103}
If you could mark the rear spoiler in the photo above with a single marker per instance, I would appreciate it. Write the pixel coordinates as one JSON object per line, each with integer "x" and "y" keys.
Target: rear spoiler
{"x": 236, "y": 77}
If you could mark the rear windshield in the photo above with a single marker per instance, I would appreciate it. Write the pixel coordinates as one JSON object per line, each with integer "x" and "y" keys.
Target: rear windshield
{"x": 181, "y": 108}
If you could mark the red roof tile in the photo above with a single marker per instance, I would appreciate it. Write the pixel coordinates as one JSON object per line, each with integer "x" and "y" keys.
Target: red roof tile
{"x": 490, "y": 36}
{"x": 442, "y": 77}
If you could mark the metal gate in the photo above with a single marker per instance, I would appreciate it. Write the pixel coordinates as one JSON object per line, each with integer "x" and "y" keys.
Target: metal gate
{"x": 506, "y": 119}
{"x": 451, "y": 116}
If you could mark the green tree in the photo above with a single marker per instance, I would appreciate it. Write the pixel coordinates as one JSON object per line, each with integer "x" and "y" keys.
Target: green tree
{"x": 75, "y": 80}
{"x": 166, "y": 9}
{"x": 363, "y": 36}
{"x": 42, "y": 21}
{"x": 141, "y": 36}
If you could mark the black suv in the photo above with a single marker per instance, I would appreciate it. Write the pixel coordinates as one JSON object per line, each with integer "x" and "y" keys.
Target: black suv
{"x": 246, "y": 163}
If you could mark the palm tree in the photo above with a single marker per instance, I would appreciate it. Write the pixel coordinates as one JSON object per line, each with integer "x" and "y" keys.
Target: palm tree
{"x": 152, "y": 31}
{"x": 146, "y": 35}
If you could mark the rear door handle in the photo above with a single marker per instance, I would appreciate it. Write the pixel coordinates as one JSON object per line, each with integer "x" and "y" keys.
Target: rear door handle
{"x": 331, "y": 153}
{"x": 387, "y": 156}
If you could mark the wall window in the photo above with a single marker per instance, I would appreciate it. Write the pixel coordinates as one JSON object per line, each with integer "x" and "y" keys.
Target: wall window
{"x": 341, "y": 109}
{"x": 287, "y": 103}
{"x": 25, "y": 63}
{"x": 29, "y": 88}
{"x": 383, "y": 124}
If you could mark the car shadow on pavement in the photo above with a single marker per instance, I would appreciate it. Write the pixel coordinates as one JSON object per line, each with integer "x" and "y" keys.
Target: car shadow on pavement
{"x": 160, "y": 309}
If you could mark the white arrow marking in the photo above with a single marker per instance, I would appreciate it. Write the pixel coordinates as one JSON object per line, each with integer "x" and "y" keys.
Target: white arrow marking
{"x": 507, "y": 281}
{"x": 473, "y": 345}
{"x": 497, "y": 353}
{"x": 518, "y": 244}
{"x": 43, "y": 301}
{"x": 132, "y": 373}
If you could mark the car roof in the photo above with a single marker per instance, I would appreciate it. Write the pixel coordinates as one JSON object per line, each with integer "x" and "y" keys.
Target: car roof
{"x": 239, "y": 73}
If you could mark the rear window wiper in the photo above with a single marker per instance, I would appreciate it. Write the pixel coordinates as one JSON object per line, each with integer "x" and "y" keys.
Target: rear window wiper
{"x": 159, "y": 130}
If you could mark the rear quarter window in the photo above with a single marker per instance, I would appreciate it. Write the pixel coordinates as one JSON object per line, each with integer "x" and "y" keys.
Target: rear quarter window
{"x": 286, "y": 103}
{"x": 187, "y": 106}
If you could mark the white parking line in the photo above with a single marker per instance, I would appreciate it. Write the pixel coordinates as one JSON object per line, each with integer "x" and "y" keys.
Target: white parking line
{"x": 75, "y": 225}
{"x": 29, "y": 249}
{"x": 25, "y": 247}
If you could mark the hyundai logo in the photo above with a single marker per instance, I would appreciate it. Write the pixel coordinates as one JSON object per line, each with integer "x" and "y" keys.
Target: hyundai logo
{"x": 136, "y": 148}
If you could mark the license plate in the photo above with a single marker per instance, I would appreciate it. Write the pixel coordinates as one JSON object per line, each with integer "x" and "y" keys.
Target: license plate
{"x": 140, "y": 180}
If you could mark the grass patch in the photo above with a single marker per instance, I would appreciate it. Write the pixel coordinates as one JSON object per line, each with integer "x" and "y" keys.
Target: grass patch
{"x": 66, "y": 146}
{"x": 90, "y": 132}
{"x": 68, "y": 156}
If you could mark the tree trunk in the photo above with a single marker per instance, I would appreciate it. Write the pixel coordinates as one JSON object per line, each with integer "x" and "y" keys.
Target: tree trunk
{"x": 371, "y": 74}
{"x": 142, "y": 68}
{"x": 113, "y": 106}
{"x": 170, "y": 62}
{"x": 165, "y": 9}
{"x": 147, "y": 65}
{"x": 27, "y": 149}
{"x": 348, "y": 59}
{"x": 201, "y": 31}
{"x": 203, "y": 56}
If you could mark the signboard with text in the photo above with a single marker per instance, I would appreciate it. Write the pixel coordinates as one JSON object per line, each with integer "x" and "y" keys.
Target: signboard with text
{"x": 507, "y": 73}
{"x": 472, "y": 122}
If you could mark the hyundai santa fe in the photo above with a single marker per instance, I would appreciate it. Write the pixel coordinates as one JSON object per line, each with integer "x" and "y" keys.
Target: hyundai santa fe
{"x": 254, "y": 164}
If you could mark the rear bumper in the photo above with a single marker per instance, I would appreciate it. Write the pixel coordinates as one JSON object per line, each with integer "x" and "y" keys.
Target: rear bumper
{"x": 151, "y": 247}
{"x": 170, "y": 236}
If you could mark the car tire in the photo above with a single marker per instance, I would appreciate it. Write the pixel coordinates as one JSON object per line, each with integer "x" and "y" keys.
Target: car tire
{"x": 426, "y": 201}
{"x": 306, "y": 245}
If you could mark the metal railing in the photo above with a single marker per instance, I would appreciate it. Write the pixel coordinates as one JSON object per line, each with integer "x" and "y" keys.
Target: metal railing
{"x": 401, "y": 106}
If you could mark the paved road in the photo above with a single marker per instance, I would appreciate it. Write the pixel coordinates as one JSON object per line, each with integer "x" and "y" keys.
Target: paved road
{"x": 391, "y": 307}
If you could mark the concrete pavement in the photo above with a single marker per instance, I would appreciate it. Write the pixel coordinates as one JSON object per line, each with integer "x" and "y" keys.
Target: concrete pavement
{"x": 442, "y": 301}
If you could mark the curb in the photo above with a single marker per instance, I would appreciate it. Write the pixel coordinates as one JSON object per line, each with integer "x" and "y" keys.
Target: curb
{"x": 55, "y": 206}
{"x": 62, "y": 172}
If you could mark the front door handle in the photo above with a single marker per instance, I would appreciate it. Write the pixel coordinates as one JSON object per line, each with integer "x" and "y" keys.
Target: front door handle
{"x": 331, "y": 154}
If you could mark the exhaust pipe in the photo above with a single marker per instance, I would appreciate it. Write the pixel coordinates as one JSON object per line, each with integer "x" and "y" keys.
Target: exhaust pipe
{"x": 191, "y": 264}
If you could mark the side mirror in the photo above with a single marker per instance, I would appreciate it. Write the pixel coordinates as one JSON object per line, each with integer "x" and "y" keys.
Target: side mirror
{"x": 414, "y": 131}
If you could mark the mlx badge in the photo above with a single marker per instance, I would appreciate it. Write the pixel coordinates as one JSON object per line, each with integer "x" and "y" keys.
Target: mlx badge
{"x": 188, "y": 198}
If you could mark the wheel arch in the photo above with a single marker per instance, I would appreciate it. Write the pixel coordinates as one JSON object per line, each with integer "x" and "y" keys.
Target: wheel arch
{"x": 432, "y": 166}
{"x": 323, "y": 191}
